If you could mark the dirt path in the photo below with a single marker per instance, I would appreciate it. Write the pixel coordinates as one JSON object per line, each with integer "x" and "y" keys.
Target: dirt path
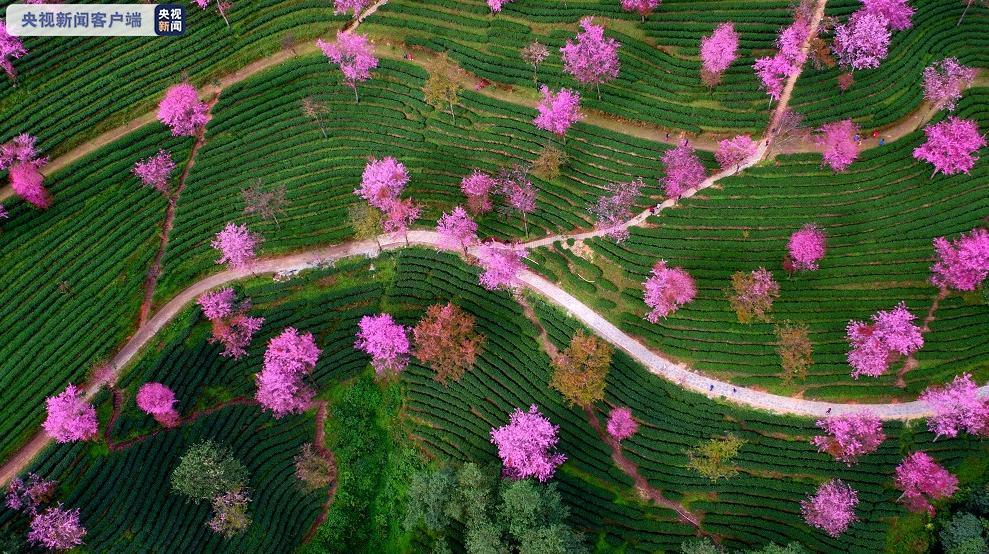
{"x": 319, "y": 442}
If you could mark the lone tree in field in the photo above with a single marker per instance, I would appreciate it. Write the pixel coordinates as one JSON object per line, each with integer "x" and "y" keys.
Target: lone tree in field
{"x": 70, "y": 417}
{"x": 206, "y": 471}
{"x": 621, "y": 424}
{"x": 527, "y": 445}
{"x": 733, "y": 152}
{"x": 158, "y": 401}
{"x": 613, "y": 209}
{"x": 182, "y": 111}
{"x": 502, "y": 264}
{"x": 314, "y": 109}
{"x": 237, "y": 246}
{"x": 863, "y": 42}
{"x": 20, "y": 157}
{"x": 752, "y": 294}
{"x": 714, "y": 458}
{"x": 365, "y": 222}
{"x": 28, "y": 496}
{"x": 805, "y": 249}
{"x": 546, "y": 166}
{"x": 580, "y": 371}
{"x": 641, "y": 7}
{"x": 957, "y": 406}
{"x": 876, "y": 345}
{"x": 386, "y": 342}
{"x": 667, "y": 290}
{"x": 313, "y": 469}
{"x": 266, "y": 203}
{"x": 457, "y": 230}
{"x": 477, "y": 187}
{"x": 356, "y": 7}
{"x": 961, "y": 264}
{"x": 221, "y": 6}
{"x": 795, "y": 350}
{"x": 945, "y": 81}
{"x": 850, "y": 436}
{"x": 534, "y": 54}
{"x": 591, "y": 58}
{"x": 684, "y": 171}
{"x": 442, "y": 89}
{"x": 382, "y": 182}
{"x": 951, "y": 146}
{"x": 446, "y": 340}
{"x": 922, "y": 479}
{"x": 56, "y": 528}
{"x": 230, "y": 517}
{"x": 354, "y": 54}
{"x": 11, "y": 48}
{"x": 514, "y": 185}
{"x": 558, "y": 111}
{"x": 232, "y": 327}
{"x": 718, "y": 51}
{"x": 290, "y": 357}
{"x": 154, "y": 171}
{"x": 838, "y": 141}
{"x": 831, "y": 508}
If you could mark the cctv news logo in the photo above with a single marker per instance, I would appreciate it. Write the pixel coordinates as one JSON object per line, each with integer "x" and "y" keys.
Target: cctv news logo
{"x": 96, "y": 20}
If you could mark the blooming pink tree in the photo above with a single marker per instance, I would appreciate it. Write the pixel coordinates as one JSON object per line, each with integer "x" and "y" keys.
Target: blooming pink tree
{"x": 158, "y": 401}
{"x": 641, "y": 7}
{"x": 791, "y": 40}
{"x": 734, "y": 151}
{"x": 477, "y": 187}
{"x": 29, "y": 495}
{"x": 526, "y": 445}
{"x": 502, "y": 264}
{"x": 621, "y": 424}
{"x": 684, "y": 170}
{"x": 718, "y": 51}
{"x": 221, "y": 6}
{"x": 217, "y": 304}
{"x": 557, "y": 112}
{"x": 236, "y": 245}
{"x": 875, "y": 345}
{"x": 154, "y": 171}
{"x": 612, "y": 210}
{"x": 962, "y": 264}
{"x": 70, "y": 417}
{"x": 951, "y": 146}
{"x": 290, "y": 357}
{"x": 922, "y": 479}
{"x": 944, "y": 82}
{"x": 232, "y": 327}
{"x": 355, "y": 56}
{"x": 514, "y": 184}
{"x": 3, "y": 212}
{"x": 863, "y": 42}
{"x": 182, "y": 111}
{"x": 896, "y": 12}
{"x": 591, "y": 58}
{"x": 832, "y": 508}
{"x": 457, "y": 229}
{"x": 806, "y": 247}
{"x": 772, "y": 71}
{"x": 399, "y": 214}
{"x": 496, "y": 5}
{"x": 57, "y": 528}
{"x": 956, "y": 406}
{"x": 666, "y": 290}
{"x": 20, "y": 156}
{"x": 850, "y": 436}
{"x": 356, "y": 7}
{"x": 386, "y": 342}
{"x": 11, "y": 48}
{"x": 382, "y": 182}
{"x": 838, "y": 141}
{"x": 534, "y": 54}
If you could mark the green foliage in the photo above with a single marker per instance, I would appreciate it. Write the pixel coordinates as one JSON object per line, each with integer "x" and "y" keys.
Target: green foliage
{"x": 962, "y": 533}
{"x": 714, "y": 458}
{"x": 701, "y": 546}
{"x": 429, "y": 493}
{"x": 207, "y": 470}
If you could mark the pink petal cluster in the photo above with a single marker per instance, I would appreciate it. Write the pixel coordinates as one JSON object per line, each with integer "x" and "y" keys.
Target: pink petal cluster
{"x": 667, "y": 290}
{"x": 772, "y": 71}
{"x": 57, "y": 529}
{"x": 496, "y": 5}
{"x": 838, "y": 141}
{"x": 613, "y": 209}
{"x": 951, "y": 146}
{"x": 791, "y": 40}
{"x": 962, "y": 264}
{"x": 896, "y": 12}
{"x": 863, "y": 42}
{"x": 158, "y": 401}
{"x": 621, "y": 424}
{"x": 831, "y": 508}
{"x": 382, "y": 182}
{"x": 11, "y": 48}
{"x": 290, "y": 357}
{"x": 232, "y": 327}
{"x": 734, "y": 151}
{"x": 70, "y": 417}
{"x": 353, "y": 53}
{"x": 477, "y": 187}
{"x": 457, "y": 229}
{"x": 20, "y": 156}
{"x": 518, "y": 191}
{"x": 526, "y": 445}
{"x": 217, "y": 304}
{"x": 593, "y": 58}
{"x": 806, "y": 247}
{"x": 236, "y": 245}
{"x": 557, "y": 112}
{"x": 386, "y": 342}
{"x": 850, "y": 436}
{"x": 641, "y": 7}
{"x": 944, "y": 82}
{"x": 502, "y": 264}
{"x": 875, "y": 345}
{"x": 956, "y": 406}
{"x": 922, "y": 479}
{"x": 3, "y": 212}
{"x": 341, "y": 7}
{"x": 182, "y": 111}
{"x": 399, "y": 214}
{"x": 154, "y": 171}
{"x": 684, "y": 170}
{"x": 29, "y": 495}
{"x": 719, "y": 49}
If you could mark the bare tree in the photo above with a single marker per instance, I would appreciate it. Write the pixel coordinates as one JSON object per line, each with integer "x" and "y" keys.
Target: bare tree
{"x": 314, "y": 109}
{"x": 267, "y": 204}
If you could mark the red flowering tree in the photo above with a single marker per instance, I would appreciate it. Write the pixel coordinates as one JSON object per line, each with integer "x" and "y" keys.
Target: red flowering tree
{"x": 526, "y": 445}
{"x": 735, "y": 151}
{"x": 956, "y": 406}
{"x": 591, "y": 58}
{"x": 154, "y": 171}
{"x": 951, "y": 146}
{"x": 445, "y": 340}
{"x": 850, "y": 436}
{"x": 922, "y": 479}
{"x": 612, "y": 210}
{"x": 667, "y": 290}
{"x": 237, "y": 246}
{"x": 684, "y": 170}
{"x": 158, "y": 401}
{"x": 962, "y": 264}
{"x": 641, "y": 7}
{"x": 386, "y": 342}
{"x": 831, "y": 508}
{"x": 945, "y": 81}
{"x": 863, "y": 42}
{"x": 805, "y": 248}
{"x": 70, "y": 417}
{"x": 19, "y": 156}
{"x": 558, "y": 111}
{"x": 478, "y": 187}
{"x": 718, "y": 51}
{"x": 621, "y": 424}
{"x": 355, "y": 56}
{"x": 289, "y": 358}
{"x": 502, "y": 264}
{"x": 752, "y": 294}
{"x": 457, "y": 229}
{"x": 838, "y": 141}
{"x": 56, "y": 528}
{"x": 182, "y": 111}
{"x": 11, "y": 48}
{"x": 876, "y": 345}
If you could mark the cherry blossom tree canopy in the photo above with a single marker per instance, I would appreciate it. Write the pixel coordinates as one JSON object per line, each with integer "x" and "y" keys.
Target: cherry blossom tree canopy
{"x": 526, "y": 445}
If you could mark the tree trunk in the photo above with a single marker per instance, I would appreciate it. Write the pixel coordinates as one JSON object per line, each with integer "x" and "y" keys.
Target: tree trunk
{"x": 525, "y": 222}
{"x": 321, "y": 128}
{"x": 356, "y": 96}
{"x": 967, "y": 6}
{"x": 219, "y": 7}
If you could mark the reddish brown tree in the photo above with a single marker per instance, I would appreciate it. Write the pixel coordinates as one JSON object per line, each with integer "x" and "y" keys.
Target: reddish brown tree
{"x": 579, "y": 372}
{"x": 795, "y": 350}
{"x": 445, "y": 340}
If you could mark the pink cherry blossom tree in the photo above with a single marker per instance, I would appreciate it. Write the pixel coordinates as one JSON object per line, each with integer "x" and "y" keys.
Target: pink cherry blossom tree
{"x": 11, "y": 48}
{"x": 21, "y": 158}
{"x": 850, "y": 436}
{"x": 221, "y": 6}
{"x": 501, "y": 265}
{"x": 217, "y": 304}
{"x": 838, "y": 141}
{"x": 806, "y": 247}
{"x": 922, "y": 479}
{"x": 831, "y": 508}
{"x": 399, "y": 214}
{"x": 945, "y": 81}
{"x": 29, "y": 495}
{"x": 232, "y": 327}
{"x": 896, "y": 12}
{"x": 56, "y": 528}
{"x": 457, "y": 229}
{"x": 641, "y": 7}
{"x": 356, "y": 7}
{"x": 527, "y": 445}
{"x": 386, "y": 342}
{"x": 3, "y": 212}
{"x": 772, "y": 71}
{"x": 791, "y": 40}
{"x": 496, "y": 5}
{"x": 477, "y": 187}
{"x": 158, "y": 401}
{"x": 613, "y": 209}
{"x": 718, "y": 51}
{"x": 558, "y": 111}
{"x": 735, "y": 151}
{"x": 875, "y": 345}
{"x": 513, "y": 183}
{"x": 956, "y": 406}
{"x": 621, "y": 424}
{"x": 237, "y": 245}
{"x": 154, "y": 171}
{"x": 289, "y": 358}
{"x": 962, "y": 264}
{"x": 70, "y": 417}
{"x": 863, "y": 42}
{"x": 951, "y": 146}
{"x": 355, "y": 56}
{"x": 382, "y": 182}
{"x": 666, "y": 290}
{"x": 182, "y": 111}
{"x": 534, "y": 54}
{"x": 684, "y": 170}
{"x": 591, "y": 58}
